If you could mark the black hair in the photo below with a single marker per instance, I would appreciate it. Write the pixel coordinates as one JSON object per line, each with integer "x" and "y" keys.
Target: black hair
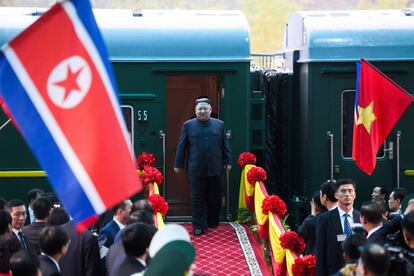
{"x": 317, "y": 201}
{"x": 344, "y": 182}
{"x": 399, "y": 193}
{"x": 5, "y": 221}
{"x": 141, "y": 204}
{"x": 24, "y": 263}
{"x": 352, "y": 244}
{"x": 32, "y": 194}
{"x": 384, "y": 191}
{"x": 14, "y": 203}
{"x": 58, "y": 216}
{"x": 41, "y": 208}
{"x": 375, "y": 259}
{"x": 407, "y": 224}
{"x": 52, "y": 239}
{"x": 328, "y": 188}
{"x": 372, "y": 211}
{"x": 136, "y": 238}
{"x": 141, "y": 216}
{"x": 121, "y": 206}
{"x": 8, "y": 245}
{"x": 2, "y": 203}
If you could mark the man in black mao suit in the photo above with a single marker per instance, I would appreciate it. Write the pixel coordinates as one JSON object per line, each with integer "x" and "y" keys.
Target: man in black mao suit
{"x": 332, "y": 229}
{"x": 204, "y": 140}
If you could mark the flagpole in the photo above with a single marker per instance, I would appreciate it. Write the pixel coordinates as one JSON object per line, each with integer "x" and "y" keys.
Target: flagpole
{"x": 5, "y": 124}
{"x": 376, "y": 69}
{"x": 398, "y": 136}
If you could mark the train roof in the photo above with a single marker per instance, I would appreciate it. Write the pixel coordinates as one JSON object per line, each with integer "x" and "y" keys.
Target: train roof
{"x": 350, "y": 35}
{"x": 156, "y": 35}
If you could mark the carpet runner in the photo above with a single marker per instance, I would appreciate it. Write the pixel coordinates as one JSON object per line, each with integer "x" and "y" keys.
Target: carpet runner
{"x": 229, "y": 249}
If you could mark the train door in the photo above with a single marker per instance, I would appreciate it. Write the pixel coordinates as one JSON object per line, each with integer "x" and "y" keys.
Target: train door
{"x": 181, "y": 92}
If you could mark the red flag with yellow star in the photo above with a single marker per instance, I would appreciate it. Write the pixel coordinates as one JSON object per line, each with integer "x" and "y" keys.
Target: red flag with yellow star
{"x": 379, "y": 103}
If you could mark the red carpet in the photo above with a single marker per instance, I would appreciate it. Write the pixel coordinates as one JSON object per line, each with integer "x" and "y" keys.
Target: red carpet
{"x": 226, "y": 250}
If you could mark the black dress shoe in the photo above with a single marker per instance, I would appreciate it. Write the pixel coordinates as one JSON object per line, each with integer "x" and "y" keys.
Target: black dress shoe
{"x": 198, "y": 232}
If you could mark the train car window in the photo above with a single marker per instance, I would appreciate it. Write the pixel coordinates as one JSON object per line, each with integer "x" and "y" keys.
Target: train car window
{"x": 348, "y": 100}
{"x": 128, "y": 113}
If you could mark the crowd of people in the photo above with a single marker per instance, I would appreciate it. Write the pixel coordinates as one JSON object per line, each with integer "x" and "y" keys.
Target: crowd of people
{"x": 377, "y": 240}
{"x": 41, "y": 240}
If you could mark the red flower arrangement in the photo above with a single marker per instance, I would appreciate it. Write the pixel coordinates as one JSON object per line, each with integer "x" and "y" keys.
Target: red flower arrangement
{"x": 246, "y": 158}
{"x": 256, "y": 174}
{"x": 158, "y": 204}
{"x": 275, "y": 205}
{"x": 292, "y": 241}
{"x": 151, "y": 175}
{"x": 304, "y": 266}
{"x": 146, "y": 158}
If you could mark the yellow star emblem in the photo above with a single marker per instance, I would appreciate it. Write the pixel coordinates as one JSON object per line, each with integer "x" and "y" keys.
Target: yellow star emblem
{"x": 366, "y": 116}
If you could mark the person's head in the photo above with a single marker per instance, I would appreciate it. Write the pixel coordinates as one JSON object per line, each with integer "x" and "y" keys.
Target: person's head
{"x": 24, "y": 263}
{"x": 407, "y": 227}
{"x": 380, "y": 193}
{"x": 8, "y": 245}
{"x": 374, "y": 261}
{"x": 351, "y": 246}
{"x": 17, "y": 211}
{"x": 371, "y": 214}
{"x": 2, "y": 203}
{"x": 141, "y": 204}
{"x": 58, "y": 216}
{"x": 203, "y": 109}
{"x": 327, "y": 193}
{"x": 121, "y": 211}
{"x": 396, "y": 197}
{"x": 41, "y": 208}
{"x": 141, "y": 216}
{"x": 345, "y": 193}
{"x": 316, "y": 199}
{"x": 5, "y": 222}
{"x": 136, "y": 239}
{"x": 34, "y": 194}
{"x": 53, "y": 241}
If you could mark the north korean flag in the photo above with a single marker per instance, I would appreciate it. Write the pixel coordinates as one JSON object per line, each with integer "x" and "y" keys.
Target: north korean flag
{"x": 58, "y": 85}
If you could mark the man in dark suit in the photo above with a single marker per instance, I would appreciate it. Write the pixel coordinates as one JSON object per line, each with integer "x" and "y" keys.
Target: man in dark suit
{"x": 208, "y": 148}
{"x": 136, "y": 239}
{"x": 32, "y": 195}
{"x": 17, "y": 211}
{"x": 54, "y": 243}
{"x": 333, "y": 227}
{"x": 371, "y": 219}
{"x": 120, "y": 220}
{"x": 307, "y": 230}
{"x": 41, "y": 210}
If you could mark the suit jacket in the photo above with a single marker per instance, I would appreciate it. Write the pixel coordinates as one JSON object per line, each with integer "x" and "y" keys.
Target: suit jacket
{"x": 207, "y": 147}
{"x": 379, "y": 236}
{"x": 109, "y": 232}
{"x": 129, "y": 266}
{"x": 82, "y": 258}
{"x": 25, "y": 241}
{"x": 114, "y": 253}
{"x": 31, "y": 232}
{"x": 328, "y": 249}
{"x": 48, "y": 267}
{"x": 307, "y": 230}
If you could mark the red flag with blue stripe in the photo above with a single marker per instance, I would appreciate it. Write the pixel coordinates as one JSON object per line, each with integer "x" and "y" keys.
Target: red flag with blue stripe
{"x": 56, "y": 80}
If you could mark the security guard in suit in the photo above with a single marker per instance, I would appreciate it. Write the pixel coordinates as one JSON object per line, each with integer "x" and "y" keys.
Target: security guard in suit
{"x": 208, "y": 150}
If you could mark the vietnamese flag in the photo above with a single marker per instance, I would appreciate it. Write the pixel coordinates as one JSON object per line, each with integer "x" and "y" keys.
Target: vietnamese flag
{"x": 379, "y": 103}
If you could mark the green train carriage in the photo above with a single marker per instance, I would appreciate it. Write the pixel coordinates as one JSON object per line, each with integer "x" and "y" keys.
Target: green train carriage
{"x": 297, "y": 120}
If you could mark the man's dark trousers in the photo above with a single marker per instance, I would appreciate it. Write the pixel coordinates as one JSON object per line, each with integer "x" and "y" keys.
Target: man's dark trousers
{"x": 205, "y": 201}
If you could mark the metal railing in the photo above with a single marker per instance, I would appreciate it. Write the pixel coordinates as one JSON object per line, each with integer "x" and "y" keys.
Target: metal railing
{"x": 268, "y": 60}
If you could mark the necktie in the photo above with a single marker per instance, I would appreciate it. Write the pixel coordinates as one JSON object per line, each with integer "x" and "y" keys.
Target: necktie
{"x": 22, "y": 240}
{"x": 347, "y": 225}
